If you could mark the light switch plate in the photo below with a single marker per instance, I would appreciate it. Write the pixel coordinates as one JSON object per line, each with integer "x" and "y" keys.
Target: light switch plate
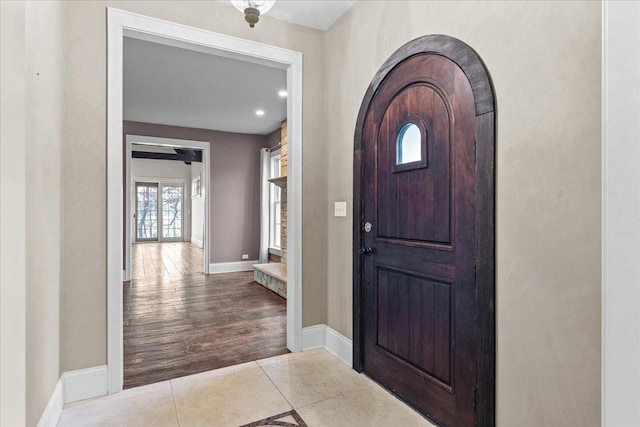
{"x": 340, "y": 208}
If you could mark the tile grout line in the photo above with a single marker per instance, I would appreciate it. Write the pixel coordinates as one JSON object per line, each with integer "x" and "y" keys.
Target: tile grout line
{"x": 175, "y": 404}
{"x": 274, "y": 384}
{"x": 285, "y": 398}
{"x": 321, "y": 401}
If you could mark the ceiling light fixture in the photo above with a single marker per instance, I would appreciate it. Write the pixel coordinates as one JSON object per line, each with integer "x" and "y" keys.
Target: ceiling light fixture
{"x": 259, "y": 112}
{"x": 252, "y": 9}
{"x": 283, "y": 94}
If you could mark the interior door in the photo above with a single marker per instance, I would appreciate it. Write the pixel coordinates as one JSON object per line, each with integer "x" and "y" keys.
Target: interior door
{"x": 417, "y": 234}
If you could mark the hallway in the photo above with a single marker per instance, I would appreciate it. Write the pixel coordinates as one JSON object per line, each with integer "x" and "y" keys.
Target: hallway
{"x": 178, "y": 321}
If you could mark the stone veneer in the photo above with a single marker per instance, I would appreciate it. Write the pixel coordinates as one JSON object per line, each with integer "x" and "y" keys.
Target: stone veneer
{"x": 270, "y": 282}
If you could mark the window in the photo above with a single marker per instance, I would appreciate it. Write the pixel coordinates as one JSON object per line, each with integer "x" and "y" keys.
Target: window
{"x": 411, "y": 146}
{"x": 274, "y": 201}
{"x": 408, "y": 145}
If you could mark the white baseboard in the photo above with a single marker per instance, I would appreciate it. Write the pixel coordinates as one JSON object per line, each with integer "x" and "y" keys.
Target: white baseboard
{"x": 85, "y": 383}
{"x": 71, "y": 387}
{"x": 198, "y": 242}
{"x": 52, "y": 411}
{"x": 93, "y": 382}
{"x": 322, "y": 336}
{"x": 340, "y": 346}
{"x": 314, "y": 337}
{"x": 229, "y": 267}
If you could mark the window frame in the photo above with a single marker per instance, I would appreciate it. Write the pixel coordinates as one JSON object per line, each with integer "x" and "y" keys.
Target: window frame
{"x": 275, "y": 203}
{"x": 424, "y": 136}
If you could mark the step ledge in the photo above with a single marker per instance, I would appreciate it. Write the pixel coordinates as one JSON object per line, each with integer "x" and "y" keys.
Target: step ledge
{"x": 273, "y": 269}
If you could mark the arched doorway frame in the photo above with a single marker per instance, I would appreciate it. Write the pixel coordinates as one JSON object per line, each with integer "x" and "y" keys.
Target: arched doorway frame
{"x": 485, "y": 139}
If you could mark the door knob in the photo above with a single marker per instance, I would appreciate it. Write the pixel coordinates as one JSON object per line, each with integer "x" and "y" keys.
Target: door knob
{"x": 366, "y": 251}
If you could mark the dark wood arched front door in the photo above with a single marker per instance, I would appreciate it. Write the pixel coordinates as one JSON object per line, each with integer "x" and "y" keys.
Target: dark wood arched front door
{"x": 424, "y": 231}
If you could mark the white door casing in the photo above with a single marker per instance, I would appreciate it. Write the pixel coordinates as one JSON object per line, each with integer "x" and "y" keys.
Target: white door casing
{"x": 163, "y": 142}
{"x": 122, "y": 24}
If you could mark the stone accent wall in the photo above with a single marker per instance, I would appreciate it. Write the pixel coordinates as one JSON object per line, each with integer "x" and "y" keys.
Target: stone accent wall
{"x": 283, "y": 194}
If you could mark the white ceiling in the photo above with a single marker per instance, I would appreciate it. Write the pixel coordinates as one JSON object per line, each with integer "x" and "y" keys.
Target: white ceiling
{"x": 180, "y": 87}
{"x": 311, "y": 13}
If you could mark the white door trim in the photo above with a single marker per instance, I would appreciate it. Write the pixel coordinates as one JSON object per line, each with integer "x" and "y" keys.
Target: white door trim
{"x": 120, "y": 24}
{"x": 620, "y": 213}
{"x": 165, "y": 142}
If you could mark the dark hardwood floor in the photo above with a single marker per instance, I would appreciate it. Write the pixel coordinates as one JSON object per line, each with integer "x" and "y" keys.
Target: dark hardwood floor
{"x": 181, "y": 324}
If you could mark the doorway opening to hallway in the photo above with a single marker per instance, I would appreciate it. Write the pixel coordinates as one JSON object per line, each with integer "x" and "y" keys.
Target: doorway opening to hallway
{"x": 178, "y": 319}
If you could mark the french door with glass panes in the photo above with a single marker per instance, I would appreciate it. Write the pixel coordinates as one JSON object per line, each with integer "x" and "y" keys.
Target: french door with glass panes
{"x": 158, "y": 215}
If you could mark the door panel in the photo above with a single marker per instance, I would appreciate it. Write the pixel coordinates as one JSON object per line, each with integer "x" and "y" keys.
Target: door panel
{"x": 425, "y": 182}
{"x": 414, "y": 321}
{"x": 416, "y": 276}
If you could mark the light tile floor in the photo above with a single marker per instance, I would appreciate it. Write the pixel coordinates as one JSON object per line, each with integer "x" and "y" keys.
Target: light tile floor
{"x": 322, "y": 389}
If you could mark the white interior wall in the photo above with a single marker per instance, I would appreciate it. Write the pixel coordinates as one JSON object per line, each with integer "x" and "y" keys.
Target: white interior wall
{"x": 621, "y": 215}
{"x": 151, "y": 170}
{"x": 197, "y": 207}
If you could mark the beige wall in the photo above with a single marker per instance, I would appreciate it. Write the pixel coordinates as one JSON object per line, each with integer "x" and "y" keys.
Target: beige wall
{"x": 544, "y": 58}
{"x": 32, "y": 119}
{"x": 84, "y": 289}
{"x": 45, "y": 67}
{"x": 12, "y": 214}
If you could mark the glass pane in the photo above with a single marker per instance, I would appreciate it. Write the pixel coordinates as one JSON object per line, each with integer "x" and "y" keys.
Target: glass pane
{"x": 147, "y": 211}
{"x": 171, "y": 211}
{"x": 276, "y": 224}
{"x": 274, "y": 217}
{"x": 408, "y": 144}
{"x": 274, "y": 202}
{"x": 275, "y": 167}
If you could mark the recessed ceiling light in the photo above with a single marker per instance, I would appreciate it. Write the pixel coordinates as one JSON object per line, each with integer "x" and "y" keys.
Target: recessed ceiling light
{"x": 259, "y": 112}
{"x": 283, "y": 93}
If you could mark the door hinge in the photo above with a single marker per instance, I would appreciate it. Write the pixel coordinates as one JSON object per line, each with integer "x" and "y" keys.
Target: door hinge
{"x": 475, "y": 397}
